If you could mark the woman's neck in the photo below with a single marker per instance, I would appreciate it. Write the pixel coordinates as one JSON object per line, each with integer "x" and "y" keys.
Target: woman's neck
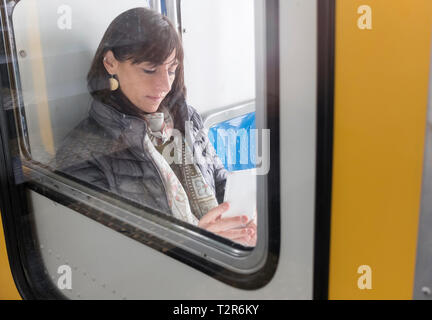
{"x": 120, "y": 102}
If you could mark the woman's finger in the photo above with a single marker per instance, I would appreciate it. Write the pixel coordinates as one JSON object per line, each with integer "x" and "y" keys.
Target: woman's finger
{"x": 252, "y": 224}
{"x": 213, "y": 214}
{"x": 227, "y": 224}
{"x": 236, "y": 233}
{"x": 246, "y": 241}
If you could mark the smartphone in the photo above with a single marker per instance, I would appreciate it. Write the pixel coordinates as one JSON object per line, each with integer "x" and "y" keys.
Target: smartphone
{"x": 240, "y": 193}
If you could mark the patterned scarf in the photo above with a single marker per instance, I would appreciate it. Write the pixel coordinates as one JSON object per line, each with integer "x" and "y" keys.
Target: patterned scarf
{"x": 189, "y": 195}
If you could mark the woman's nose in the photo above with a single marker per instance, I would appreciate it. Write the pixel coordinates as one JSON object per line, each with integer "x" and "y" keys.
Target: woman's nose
{"x": 164, "y": 83}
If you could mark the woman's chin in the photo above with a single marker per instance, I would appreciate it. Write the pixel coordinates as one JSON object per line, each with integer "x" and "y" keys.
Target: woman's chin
{"x": 149, "y": 108}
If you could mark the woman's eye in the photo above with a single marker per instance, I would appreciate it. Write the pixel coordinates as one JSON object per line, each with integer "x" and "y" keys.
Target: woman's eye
{"x": 149, "y": 71}
{"x": 171, "y": 73}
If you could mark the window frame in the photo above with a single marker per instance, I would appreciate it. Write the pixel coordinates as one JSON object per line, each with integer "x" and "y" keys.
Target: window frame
{"x": 47, "y": 185}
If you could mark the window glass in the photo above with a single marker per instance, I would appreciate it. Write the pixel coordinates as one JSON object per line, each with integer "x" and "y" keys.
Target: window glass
{"x": 126, "y": 105}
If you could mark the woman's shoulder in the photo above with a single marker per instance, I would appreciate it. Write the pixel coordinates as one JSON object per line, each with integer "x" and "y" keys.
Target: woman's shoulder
{"x": 88, "y": 133}
{"x": 87, "y": 138}
{"x": 194, "y": 116}
{"x": 184, "y": 113}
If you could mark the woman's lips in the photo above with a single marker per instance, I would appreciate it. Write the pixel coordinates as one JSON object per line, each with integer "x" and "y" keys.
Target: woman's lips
{"x": 154, "y": 98}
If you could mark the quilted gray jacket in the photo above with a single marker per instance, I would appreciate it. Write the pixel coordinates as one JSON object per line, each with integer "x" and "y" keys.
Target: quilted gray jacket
{"x": 106, "y": 150}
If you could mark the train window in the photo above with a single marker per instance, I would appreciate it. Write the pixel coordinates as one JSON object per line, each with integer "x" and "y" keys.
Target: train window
{"x": 148, "y": 118}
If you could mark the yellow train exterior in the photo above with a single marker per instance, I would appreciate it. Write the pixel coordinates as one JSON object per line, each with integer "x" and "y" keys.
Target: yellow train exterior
{"x": 381, "y": 97}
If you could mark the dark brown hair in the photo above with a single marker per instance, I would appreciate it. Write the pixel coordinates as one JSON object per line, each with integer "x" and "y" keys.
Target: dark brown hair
{"x": 138, "y": 35}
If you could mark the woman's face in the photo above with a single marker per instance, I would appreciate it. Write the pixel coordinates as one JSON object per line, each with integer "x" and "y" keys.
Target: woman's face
{"x": 143, "y": 84}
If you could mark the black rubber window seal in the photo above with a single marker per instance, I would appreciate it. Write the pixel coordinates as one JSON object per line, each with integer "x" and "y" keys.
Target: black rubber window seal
{"x": 324, "y": 154}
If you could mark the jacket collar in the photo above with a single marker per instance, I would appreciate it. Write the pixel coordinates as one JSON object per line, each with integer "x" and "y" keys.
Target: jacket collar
{"x": 132, "y": 129}
{"x": 115, "y": 122}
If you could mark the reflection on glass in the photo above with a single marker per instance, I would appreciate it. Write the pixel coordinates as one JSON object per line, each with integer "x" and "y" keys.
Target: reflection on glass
{"x": 141, "y": 139}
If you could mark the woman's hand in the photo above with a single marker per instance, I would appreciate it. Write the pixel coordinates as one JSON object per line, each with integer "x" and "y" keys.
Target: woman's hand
{"x": 236, "y": 229}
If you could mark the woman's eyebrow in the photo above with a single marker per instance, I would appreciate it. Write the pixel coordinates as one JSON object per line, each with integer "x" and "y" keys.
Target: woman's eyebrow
{"x": 147, "y": 64}
{"x": 174, "y": 63}
{"x": 153, "y": 65}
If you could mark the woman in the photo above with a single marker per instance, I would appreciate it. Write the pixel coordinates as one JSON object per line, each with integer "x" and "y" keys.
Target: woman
{"x": 139, "y": 122}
